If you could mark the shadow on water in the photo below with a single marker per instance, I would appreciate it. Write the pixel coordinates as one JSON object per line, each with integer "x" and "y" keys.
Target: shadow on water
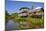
{"x": 11, "y": 25}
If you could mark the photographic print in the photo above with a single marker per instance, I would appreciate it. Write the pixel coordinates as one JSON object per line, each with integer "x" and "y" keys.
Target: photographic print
{"x": 22, "y": 15}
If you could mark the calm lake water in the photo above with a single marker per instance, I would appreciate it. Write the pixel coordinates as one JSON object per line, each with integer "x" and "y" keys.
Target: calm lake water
{"x": 11, "y": 25}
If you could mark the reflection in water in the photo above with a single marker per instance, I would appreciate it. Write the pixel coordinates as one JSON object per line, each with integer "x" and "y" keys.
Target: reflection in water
{"x": 11, "y": 25}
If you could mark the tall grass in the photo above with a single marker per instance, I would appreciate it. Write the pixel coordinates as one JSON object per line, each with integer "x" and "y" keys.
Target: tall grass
{"x": 33, "y": 22}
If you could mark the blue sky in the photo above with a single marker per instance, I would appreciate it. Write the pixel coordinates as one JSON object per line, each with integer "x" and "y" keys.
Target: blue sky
{"x": 14, "y": 6}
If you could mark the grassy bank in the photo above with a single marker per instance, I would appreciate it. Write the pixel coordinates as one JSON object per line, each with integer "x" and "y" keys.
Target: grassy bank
{"x": 31, "y": 22}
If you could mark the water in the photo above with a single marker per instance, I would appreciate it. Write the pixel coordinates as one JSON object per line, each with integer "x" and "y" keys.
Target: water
{"x": 11, "y": 25}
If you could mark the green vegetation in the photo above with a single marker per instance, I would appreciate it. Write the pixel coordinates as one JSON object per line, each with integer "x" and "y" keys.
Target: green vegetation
{"x": 31, "y": 23}
{"x": 7, "y": 16}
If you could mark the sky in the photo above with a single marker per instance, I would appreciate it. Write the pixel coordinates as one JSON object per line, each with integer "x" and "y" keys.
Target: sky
{"x": 14, "y": 6}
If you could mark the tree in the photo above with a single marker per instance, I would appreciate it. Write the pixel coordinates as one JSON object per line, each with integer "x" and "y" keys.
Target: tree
{"x": 24, "y": 8}
{"x": 6, "y": 13}
{"x": 15, "y": 14}
{"x": 7, "y": 16}
{"x": 42, "y": 9}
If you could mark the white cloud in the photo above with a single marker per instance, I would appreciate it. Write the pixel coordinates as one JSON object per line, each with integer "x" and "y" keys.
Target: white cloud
{"x": 30, "y": 0}
{"x": 38, "y": 7}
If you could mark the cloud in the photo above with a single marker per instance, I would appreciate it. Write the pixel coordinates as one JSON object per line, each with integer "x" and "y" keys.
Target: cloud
{"x": 29, "y": 0}
{"x": 38, "y": 7}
